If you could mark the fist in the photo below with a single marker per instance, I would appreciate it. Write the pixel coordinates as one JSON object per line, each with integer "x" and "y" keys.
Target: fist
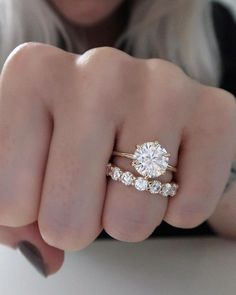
{"x": 62, "y": 115}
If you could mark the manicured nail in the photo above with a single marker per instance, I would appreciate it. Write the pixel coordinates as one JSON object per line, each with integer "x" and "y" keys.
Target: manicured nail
{"x": 33, "y": 255}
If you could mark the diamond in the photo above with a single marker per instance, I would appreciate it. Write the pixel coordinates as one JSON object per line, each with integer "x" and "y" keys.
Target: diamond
{"x": 150, "y": 159}
{"x": 127, "y": 178}
{"x": 165, "y": 190}
{"x": 115, "y": 173}
{"x": 154, "y": 186}
{"x": 141, "y": 184}
{"x": 173, "y": 189}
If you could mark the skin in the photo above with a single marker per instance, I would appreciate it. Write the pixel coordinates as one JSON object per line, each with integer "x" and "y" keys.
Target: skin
{"x": 61, "y": 198}
{"x": 87, "y": 12}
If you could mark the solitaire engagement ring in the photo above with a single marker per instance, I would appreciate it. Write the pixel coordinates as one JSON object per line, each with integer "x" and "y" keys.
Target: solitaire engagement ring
{"x": 150, "y": 160}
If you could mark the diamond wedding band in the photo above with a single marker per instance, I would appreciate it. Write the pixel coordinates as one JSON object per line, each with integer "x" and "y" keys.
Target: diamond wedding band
{"x": 141, "y": 183}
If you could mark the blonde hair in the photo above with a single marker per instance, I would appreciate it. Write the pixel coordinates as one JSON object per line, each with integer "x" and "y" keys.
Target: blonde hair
{"x": 180, "y": 31}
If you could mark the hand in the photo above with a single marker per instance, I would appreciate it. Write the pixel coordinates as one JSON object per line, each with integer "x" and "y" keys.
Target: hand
{"x": 223, "y": 219}
{"x": 61, "y": 116}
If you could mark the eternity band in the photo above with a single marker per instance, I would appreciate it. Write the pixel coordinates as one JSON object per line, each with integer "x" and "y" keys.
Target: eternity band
{"x": 141, "y": 183}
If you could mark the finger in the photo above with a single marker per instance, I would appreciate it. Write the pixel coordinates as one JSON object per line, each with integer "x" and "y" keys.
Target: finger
{"x": 24, "y": 138}
{"x": 46, "y": 259}
{"x": 75, "y": 180}
{"x": 203, "y": 169}
{"x": 223, "y": 219}
{"x": 132, "y": 215}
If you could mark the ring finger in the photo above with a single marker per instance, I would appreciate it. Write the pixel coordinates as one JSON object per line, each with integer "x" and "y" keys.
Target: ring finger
{"x": 132, "y": 215}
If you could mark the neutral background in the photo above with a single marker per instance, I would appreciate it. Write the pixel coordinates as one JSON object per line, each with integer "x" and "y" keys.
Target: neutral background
{"x": 230, "y": 2}
{"x": 193, "y": 266}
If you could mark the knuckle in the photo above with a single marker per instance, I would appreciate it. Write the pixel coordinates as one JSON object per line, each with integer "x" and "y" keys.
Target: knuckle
{"x": 62, "y": 236}
{"x": 187, "y": 216}
{"x": 222, "y": 103}
{"x": 164, "y": 66}
{"x": 102, "y": 56}
{"x": 229, "y": 110}
{"x": 33, "y": 69}
{"x": 172, "y": 85}
{"x": 96, "y": 67}
{"x": 15, "y": 214}
{"x": 103, "y": 63}
{"x": 133, "y": 228}
{"x": 16, "y": 68}
{"x": 55, "y": 235}
{"x": 166, "y": 71}
{"x": 218, "y": 112}
{"x": 34, "y": 58}
{"x": 24, "y": 54}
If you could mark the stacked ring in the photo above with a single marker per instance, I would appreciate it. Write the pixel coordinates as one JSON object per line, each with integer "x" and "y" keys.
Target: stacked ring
{"x": 140, "y": 183}
{"x": 150, "y": 160}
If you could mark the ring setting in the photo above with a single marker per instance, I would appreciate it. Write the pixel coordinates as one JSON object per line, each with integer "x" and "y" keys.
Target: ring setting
{"x": 149, "y": 159}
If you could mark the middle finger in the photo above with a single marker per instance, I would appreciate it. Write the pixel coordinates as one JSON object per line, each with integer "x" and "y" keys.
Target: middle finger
{"x": 75, "y": 181}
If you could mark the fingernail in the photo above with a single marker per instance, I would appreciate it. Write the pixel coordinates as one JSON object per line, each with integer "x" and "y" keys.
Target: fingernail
{"x": 33, "y": 255}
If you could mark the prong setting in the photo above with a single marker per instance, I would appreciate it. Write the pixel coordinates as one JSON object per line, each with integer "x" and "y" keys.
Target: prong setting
{"x": 151, "y": 159}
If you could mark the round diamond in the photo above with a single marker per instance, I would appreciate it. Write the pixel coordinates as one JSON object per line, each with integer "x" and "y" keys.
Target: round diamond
{"x": 173, "y": 190}
{"x": 141, "y": 184}
{"x": 150, "y": 159}
{"x": 154, "y": 187}
{"x": 165, "y": 190}
{"x": 115, "y": 173}
{"x": 127, "y": 178}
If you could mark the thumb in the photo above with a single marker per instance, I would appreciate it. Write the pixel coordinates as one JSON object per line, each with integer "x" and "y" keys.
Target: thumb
{"x": 46, "y": 259}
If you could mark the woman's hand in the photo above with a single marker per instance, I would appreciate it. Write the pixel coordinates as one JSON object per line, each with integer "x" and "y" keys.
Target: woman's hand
{"x": 61, "y": 116}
